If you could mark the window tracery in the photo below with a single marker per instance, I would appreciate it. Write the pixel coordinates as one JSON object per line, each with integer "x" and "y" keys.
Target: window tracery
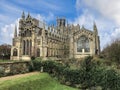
{"x": 83, "y": 44}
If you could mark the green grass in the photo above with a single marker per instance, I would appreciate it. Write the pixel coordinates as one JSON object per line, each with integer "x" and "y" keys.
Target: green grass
{"x": 6, "y": 61}
{"x": 41, "y": 81}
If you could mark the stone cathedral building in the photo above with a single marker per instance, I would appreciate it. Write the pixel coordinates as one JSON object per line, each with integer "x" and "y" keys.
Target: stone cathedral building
{"x": 36, "y": 39}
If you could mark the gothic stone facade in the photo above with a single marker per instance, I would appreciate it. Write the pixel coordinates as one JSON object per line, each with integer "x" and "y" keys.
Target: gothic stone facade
{"x": 37, "y": 39}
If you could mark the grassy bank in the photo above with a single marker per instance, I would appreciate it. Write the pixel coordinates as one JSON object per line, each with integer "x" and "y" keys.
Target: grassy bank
{"x": 5, "y": 60}
{"x": 2, "y": 61}
{"x": 40, "y": 81}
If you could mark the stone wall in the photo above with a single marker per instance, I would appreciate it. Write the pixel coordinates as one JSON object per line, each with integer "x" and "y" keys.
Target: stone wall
{"x": 11, "y": 68}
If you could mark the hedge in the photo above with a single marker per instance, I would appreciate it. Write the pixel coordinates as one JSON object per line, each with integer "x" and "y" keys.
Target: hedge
{"x": 90, "y": 74}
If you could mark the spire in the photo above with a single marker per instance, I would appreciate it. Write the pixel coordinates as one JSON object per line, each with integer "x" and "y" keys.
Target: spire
{"x": 43, "y": 25}
{"x": 28, "y": 15}
{"x": 23, "y": 15}
{"x": 15, "y": 33}
{"x": 78, "y": 27}
{"x": 95, "y": 29}
{"x": 83, "y": 27}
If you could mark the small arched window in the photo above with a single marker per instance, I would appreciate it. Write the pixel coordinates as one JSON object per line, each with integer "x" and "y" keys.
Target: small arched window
{"x": 14, "y": 52}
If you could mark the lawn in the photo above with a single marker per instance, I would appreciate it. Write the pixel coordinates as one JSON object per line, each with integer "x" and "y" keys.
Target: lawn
{"x": 39, "y": 81}
{"x": 5, "y": 60}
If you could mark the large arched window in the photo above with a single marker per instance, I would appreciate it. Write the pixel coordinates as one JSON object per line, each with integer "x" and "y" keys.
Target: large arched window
{"x": 14, "y": 52}
{"x": 83, "y": 44}
{"x": 24, "y": 47}
{"x": 25, "y": 33}
{"x": 27, "y": 47}
{"x": 30, "y": 46}
{"x": 30, "y": 33}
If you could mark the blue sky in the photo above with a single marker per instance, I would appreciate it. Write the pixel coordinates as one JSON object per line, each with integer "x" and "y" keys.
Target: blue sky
{"x": 106, "y": 14}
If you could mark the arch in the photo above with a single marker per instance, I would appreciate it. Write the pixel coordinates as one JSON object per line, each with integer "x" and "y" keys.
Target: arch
{"x": 24, "y": 47}
{"x": 38, "y": 52}
{"x": 39, "y": 32}
{"x": 47, "y": 52}
{"x": 76, "y": 37}
{"x": 27, "y": 47}
{"x": 25, "y": 33}
{"x": 30, "y": 33}
{"x": 83, "y": 44}
{"x": 30, "y": 46}
{"x": 15, "y": 53}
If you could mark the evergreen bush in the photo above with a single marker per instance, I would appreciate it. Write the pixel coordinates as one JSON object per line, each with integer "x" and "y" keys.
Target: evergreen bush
{"x": 91, "y": 74}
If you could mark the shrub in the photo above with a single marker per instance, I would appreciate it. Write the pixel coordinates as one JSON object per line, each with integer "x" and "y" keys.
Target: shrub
{"x": 72, "y": 76}
{"x": 94, "y": 74}
{"x": 31, "y": 66}
{"x": 32, "y": 57}
{"x": 1, "y": 71}
{"x": 110, "y": 80}
{"x": 48, "y": 66}
{"x": 90, "y": 74}
{"x": 36, "y": 65}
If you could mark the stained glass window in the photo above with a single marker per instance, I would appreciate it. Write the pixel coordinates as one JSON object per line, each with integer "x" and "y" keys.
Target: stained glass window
{"x": 83, "y": 43}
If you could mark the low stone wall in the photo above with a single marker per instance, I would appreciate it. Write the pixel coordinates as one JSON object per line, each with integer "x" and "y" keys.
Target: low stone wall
{"x": 11, "y": 68}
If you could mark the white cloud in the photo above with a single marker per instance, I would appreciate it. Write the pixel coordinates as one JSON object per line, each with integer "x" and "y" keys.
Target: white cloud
{"x": 108, "y": 8}
{"x": 47, "y": 18}
{"x": 108, "y": 38}
{"x": 106, "y": 14}
{"x": 116, "y": 33}
{"x": 7, "y": 32}
{"x": 85, "y": 19}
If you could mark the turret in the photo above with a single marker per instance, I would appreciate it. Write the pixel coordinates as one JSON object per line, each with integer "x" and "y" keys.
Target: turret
{"x": 77, "y": 27}
{"x": 28, "y": 16}
{"x": 95, "y": 29}
{"x": 43, "y": 31}
{"x": 15, "y": 32}
{"x": 61, "y": 22}
{"x": 97, "y": 40}
{"x": 23, "y": 15}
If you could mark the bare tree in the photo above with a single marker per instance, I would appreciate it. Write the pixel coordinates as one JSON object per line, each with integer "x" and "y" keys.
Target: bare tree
{"x": 112, "y": 51}
{"x": 5, "y": 51}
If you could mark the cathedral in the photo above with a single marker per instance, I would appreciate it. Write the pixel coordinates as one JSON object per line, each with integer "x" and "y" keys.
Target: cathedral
{"x": 36, "y": 39}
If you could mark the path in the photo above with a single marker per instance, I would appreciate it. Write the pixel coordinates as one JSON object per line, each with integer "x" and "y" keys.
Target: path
{"x": 17, "y": 76}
